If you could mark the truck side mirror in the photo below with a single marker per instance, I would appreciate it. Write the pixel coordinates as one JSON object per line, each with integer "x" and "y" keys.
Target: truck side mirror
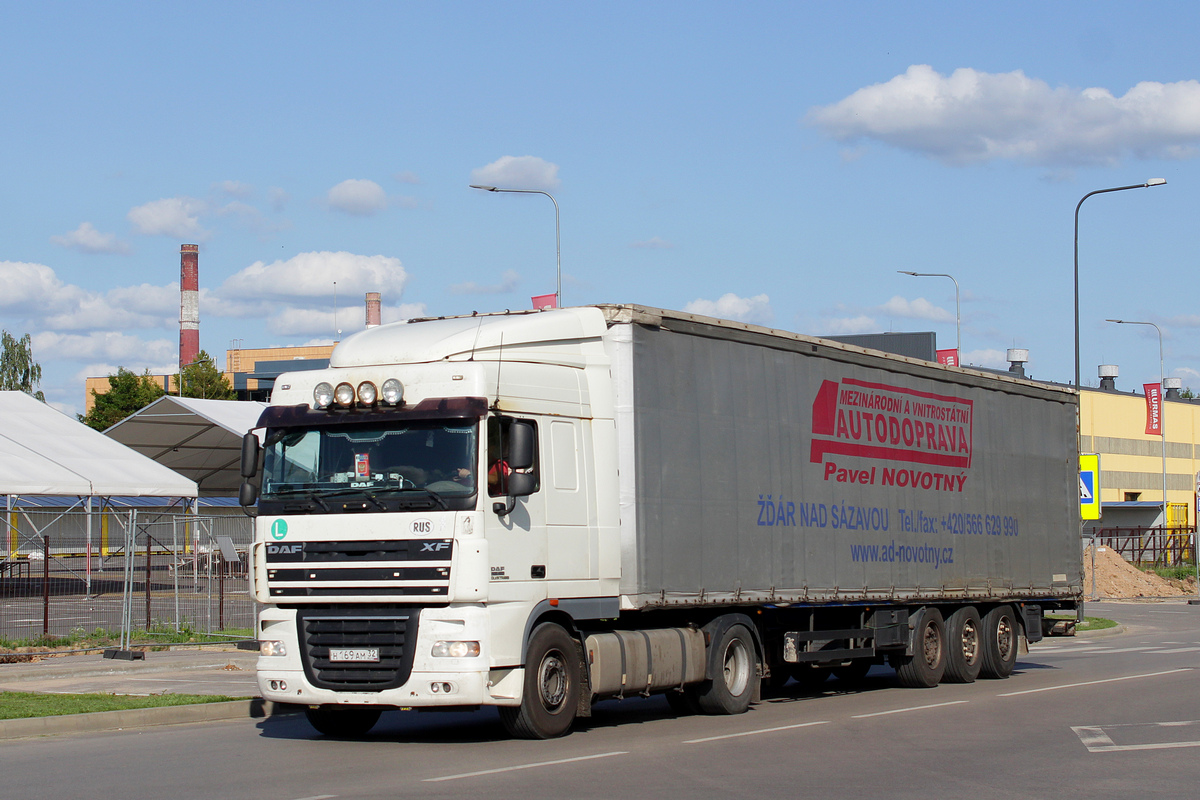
{"x": 247, "y": 494}
{"x": 249, "y": 455}
{"x": 520, "y": 446}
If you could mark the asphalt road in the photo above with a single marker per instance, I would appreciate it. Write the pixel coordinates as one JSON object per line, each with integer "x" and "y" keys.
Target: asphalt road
{"x": 1109, "y": 717}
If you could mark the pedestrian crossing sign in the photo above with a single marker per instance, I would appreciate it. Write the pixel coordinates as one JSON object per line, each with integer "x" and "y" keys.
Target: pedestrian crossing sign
{"x": 1089, "y": 486}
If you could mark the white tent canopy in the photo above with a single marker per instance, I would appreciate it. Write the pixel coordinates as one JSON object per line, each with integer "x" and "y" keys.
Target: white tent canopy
{"x": 200, "y": 439}
{"x": 45, "y": 452}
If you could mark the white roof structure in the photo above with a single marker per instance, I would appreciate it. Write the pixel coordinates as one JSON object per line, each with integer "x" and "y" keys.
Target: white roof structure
{"x": 199, "y": 439}
{"x": 45, "y": 452}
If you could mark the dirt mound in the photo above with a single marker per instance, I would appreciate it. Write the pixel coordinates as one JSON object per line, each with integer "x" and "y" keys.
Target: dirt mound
{"x": 1116, "y": 577}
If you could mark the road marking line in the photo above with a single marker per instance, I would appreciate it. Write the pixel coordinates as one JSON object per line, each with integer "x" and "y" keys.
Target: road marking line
{"x": 524, "y": 766}
{"x": 1178, "y": 650}
{"x": 911, "y": 708}
{"x": 318, "y": 797}
{"x": 755, "y": 733}
{"x": 1096, "y": 738}
{"x": 1093, "y": 737}
{"x": 1093, "y": 683}
{"x": 1126, "y": 649}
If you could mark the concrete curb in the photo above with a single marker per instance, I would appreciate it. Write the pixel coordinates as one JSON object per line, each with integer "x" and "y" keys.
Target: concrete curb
{"x": 254, "y": 708}
{"x": 73, "y": 671}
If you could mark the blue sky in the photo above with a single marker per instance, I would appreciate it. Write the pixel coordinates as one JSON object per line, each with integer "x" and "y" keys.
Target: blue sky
{"x": 771, "y": 162}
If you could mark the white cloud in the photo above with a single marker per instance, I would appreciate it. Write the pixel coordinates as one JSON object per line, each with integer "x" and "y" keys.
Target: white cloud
{"x": 973, "y": 117}
{"x": 755, "y": 310}
{"x": 996, "y": 359}
{"x": 87, "y": 239}
{"x": 114, "y": 346}
{"x": 359, "y": 197}
{"x": 653, "y": 243}
{"x": 177, "y": 217}
{"x": 508, "y": 282}
{"x": 310, "y": 275}
{"x": 33, "y": 287}
{"x": 915, "y": 309}
{"x": 278, "y": 198}
{"x": 235, "y": 189}
{"x": 840, "y": 326}
{"x": 518, "y": 172}
{"x": 403, "y": 312}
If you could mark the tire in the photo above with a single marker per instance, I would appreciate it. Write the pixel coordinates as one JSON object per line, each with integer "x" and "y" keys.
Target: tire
{"x": 925, "y": 667}
{"x": 551, "y": 694}
{"x": 964, "y": 646}
{"x": 343, "y": 723}
{"x": 732, "y": 687}
{"x": 853, "y": 673}
{"x": 1000, "y": 640}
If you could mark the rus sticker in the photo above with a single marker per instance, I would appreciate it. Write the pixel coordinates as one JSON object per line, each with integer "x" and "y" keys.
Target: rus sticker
{"x": 362, "y": 465}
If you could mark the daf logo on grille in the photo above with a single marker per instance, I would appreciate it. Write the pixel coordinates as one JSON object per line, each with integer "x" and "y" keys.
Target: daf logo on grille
{"x": 276, "y": 549}
{"x": 434, "y": 547}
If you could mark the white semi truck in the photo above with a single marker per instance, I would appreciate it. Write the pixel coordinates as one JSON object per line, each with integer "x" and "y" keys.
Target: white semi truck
{"x": 539, "y": 510}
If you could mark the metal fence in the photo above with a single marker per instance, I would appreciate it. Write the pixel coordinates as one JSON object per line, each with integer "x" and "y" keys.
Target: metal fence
{"x": 122, "y": 571}
{"x": 1151, "y": 546}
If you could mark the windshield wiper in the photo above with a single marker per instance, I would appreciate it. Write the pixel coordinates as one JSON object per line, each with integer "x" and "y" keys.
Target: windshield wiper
{"x": 432, "y": 495}
{"x": 330, "y": 492}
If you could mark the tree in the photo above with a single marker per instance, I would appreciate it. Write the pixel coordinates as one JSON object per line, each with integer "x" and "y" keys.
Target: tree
{"x": 1188, "y": 394}
{"x": 201, "y": 379}
{"x": 127, "y": 392}
{"x": 18, "y": 371}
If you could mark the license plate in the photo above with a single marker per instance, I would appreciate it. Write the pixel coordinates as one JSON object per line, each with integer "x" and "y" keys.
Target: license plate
{"x": 354, "y": 654}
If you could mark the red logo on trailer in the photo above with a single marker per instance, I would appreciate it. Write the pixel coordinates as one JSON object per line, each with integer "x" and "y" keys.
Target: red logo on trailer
{"x": 891, "y": 423}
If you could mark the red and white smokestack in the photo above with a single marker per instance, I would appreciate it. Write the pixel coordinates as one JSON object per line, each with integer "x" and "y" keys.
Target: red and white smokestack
{"x": 189, "y": 303}
{"x": 373, "y": 315}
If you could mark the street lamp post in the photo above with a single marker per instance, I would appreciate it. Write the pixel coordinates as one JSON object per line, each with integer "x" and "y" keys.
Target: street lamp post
{"x": 557, "y": 239}
{"x": 1162, "y": 423}
{"x": 1151, "y": 182}
{"x": 957, "y": 312}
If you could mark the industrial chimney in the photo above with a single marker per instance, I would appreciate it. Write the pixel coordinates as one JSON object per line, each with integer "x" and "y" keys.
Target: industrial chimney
{"x": 1108, "y": 377}
{"x": 373, "y": 315}
{"x": 1172, "y": 387}
{"x": 1017, "y": 357}
{"x": 189, "y": 303}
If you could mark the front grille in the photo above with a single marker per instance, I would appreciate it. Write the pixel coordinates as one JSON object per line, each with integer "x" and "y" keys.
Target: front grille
{"x": 400, "y": 570}
{"x": 392, "y": 630}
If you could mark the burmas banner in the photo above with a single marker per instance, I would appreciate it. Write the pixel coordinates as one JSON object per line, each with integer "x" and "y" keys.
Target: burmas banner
{"x": 1153, "y": 408}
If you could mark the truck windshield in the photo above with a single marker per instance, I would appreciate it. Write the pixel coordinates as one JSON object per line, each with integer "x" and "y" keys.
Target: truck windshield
{"x": 371, "y": 467}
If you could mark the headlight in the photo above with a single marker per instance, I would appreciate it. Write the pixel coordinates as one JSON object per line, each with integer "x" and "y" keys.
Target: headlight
{"x": 267, "y": 647}
{"x": 455, "y": 649}
{"x": 322, "y": 395}
{"x": 344, "y": 395}
{"x": 367, "y": 393}
{"x": 393, "y": 391}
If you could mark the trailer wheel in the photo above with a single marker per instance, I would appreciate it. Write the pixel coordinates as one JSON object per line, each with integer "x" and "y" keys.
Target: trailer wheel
{"x": 343, "y": 723}
{"x": 732, "y": 687}
{"x": 551, "y": 693}
{"x": 925, "y": 667}
{"x": 999, "y": 651}
{"x": 964, "y": 646}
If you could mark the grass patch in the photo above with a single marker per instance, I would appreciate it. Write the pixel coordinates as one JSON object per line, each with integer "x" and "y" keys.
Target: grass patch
{"x": 1088, "y": 624}
{"x": 100, "y": 637}
{"x": 20, "y": 705}
{"x": 1178, "y": 573}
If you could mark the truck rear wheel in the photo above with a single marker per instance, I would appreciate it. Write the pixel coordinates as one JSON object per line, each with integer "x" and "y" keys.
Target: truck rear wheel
{"x": 925, "y": 667}
{"x": 551, "y": 691}
{"x": 343, "y": 723}
{"x": 732, "y": 687}
{"x": 999, "y": 651}
{"x": 964, "y": 646}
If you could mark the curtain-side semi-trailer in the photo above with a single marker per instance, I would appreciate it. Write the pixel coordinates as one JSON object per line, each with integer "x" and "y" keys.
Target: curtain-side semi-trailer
{"x": 540, "y": 510}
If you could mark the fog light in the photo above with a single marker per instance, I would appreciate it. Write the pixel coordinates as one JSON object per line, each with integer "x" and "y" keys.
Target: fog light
{"x": 441, "y": 688}
{"x": 367, "y": 393}
{"x": 269, "y": 647}
{"x": 455, "y": 649}
{"x": 343, "y": 395}
{"x": 283, "y": 686}
{"x": 393, "y": 391}
{"x": 322, "y": 395}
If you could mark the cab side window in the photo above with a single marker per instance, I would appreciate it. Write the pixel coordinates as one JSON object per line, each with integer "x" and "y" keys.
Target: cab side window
{"x": 499, "y": 468}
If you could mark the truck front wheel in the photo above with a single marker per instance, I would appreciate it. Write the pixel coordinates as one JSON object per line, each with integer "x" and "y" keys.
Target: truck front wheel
{"x": 925, "y": 667}
{"x": 999, "y": 643}
{"x": 551, "y": 694}
{"x": 732, "y": 686}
